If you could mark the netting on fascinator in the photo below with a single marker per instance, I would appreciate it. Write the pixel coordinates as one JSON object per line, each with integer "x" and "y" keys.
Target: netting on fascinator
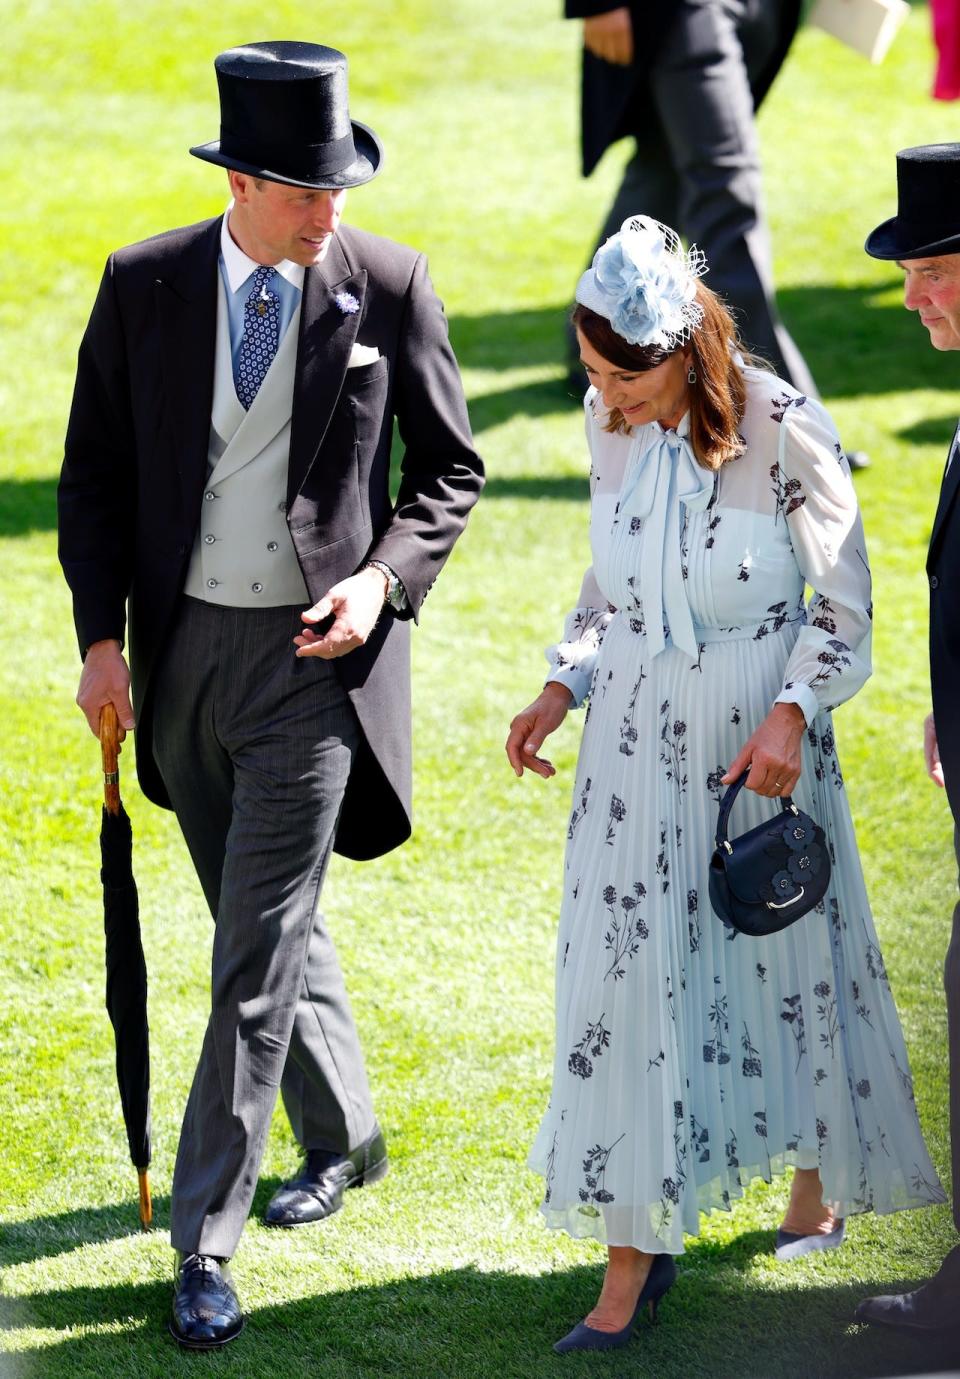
{"x": 644, "y": 283}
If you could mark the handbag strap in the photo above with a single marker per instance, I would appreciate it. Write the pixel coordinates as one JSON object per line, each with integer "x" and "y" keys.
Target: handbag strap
{"x": 727, "y": 803}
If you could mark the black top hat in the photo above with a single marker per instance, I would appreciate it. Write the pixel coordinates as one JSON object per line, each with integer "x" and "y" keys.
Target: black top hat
{"x": 928, "y": 206}
{"x": 284, "y": 117}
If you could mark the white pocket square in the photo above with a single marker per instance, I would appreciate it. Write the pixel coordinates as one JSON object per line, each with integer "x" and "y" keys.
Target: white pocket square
{"x": 363, "y": 354}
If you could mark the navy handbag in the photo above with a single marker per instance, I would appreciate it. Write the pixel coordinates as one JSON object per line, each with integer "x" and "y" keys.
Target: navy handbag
{"x": 772, "y": 875}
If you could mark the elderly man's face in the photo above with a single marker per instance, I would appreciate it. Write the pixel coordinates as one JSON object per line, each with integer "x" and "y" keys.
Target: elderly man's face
{"x": 271, "y": 221}
{"x": 932, "y": 287}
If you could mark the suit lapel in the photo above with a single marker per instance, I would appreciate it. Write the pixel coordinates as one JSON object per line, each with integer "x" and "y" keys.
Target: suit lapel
{"x": 187, "y": 311}
{"x": 330, "y": 319}
{"x": 948, "y": 493}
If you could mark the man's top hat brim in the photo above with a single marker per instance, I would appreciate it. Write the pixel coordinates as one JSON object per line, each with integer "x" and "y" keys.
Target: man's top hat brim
{"x": 891, "y": 241}
{"x": 927, "y": 222}
{"x": 366, "y": 165}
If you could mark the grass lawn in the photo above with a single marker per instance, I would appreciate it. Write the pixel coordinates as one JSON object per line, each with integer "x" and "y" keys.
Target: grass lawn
{"x": 444, "y": 1269}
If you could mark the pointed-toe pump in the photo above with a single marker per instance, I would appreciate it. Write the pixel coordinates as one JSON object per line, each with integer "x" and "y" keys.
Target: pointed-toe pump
{"x": 662, "y": 1275}
{"x": 791, "y": 1246}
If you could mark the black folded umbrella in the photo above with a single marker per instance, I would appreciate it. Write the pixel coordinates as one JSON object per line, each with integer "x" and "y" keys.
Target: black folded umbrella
{"x": 126, "y": 969}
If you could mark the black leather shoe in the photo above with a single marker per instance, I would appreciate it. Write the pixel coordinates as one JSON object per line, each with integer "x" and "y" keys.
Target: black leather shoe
{"x": 318, "y": 1191}
{"x": 926, "y": 1309}
{"x": 206, "y": 1313}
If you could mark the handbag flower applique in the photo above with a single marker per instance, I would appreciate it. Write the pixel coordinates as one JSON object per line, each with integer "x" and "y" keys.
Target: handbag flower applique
{"x": 772, "y": 875}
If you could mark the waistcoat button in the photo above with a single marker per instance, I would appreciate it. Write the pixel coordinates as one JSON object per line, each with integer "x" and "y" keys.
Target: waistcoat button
{"x": 212, "y": 583}
{"x": 272, "y": 546}
{"x": 209, "y": 539}
{"x": 209, "y": 495}
{"x": 257, "y": 588}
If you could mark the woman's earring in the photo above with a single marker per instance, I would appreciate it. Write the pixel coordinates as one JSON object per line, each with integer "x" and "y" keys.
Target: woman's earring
{"x": 692, "y": 375}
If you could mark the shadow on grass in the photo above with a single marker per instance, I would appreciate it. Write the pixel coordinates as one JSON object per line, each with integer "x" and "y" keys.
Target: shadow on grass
{"x": 465, "y": 1323}
{"x": 546, "y": 397}
{"x": 931, "y": 431}
{"x": 566, "y": 488}
{"x": 45, "y": 1237}
{"x": 27, "y": 505}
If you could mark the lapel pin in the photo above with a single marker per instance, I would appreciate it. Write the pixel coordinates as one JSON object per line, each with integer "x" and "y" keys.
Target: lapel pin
{"x": 347, "y": 303}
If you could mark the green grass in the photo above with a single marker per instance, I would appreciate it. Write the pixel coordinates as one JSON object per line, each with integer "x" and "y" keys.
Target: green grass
{"x": 444, "y": 1269}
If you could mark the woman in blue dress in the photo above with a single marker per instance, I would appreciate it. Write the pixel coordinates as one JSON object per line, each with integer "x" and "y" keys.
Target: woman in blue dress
{"x": 689, "y": 1059}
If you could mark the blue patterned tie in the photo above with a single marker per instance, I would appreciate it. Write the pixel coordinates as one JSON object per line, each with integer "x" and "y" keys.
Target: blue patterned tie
{"x": 261, "y": 335}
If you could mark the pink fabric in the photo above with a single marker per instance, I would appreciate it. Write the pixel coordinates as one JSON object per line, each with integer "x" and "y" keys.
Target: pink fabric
{"x": 946, "y": 35}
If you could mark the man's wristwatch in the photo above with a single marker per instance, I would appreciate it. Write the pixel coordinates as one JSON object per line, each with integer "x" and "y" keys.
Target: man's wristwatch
{"x": 394, "y": 591}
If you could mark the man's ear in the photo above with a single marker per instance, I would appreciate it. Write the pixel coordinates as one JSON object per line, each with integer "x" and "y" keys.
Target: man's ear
{"x": 240, "y": 185}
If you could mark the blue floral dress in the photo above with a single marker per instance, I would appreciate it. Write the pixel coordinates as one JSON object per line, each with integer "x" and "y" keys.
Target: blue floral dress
{"x": 690, "y": 1059}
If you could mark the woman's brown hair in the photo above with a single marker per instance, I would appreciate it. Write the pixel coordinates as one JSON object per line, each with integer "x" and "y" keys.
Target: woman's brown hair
{"x": 718, "y": 397}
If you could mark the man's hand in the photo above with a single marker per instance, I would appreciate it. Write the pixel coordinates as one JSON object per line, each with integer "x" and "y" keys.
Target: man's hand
{"x": 610, "y": 36}
{"x": 105, "y": 679}
{"x": 931, "y": 752}
{"x": 535, "y": 723}
{"x": 355, "y": 605}
{"x": 772, "y": 753}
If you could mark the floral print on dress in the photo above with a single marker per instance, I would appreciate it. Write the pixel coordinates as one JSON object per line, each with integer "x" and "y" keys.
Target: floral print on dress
{"x": 595, "y": 1172}
{"x": 627, "y": 928}
{"x": 595, "y": 1040}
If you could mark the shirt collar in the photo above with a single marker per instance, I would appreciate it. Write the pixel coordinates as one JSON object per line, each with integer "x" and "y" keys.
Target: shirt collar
{"x": 239, "y": 265}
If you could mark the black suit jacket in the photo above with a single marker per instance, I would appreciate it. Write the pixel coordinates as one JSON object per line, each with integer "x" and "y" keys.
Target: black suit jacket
{"x": 943, "y": 572}
{"x": 136, "y": 461}
{"x": 615, "y": 101}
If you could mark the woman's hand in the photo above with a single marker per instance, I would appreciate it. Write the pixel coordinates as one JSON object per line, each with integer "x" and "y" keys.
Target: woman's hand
{"x": 533, "y": 725}
{"x": 772, "y": 753}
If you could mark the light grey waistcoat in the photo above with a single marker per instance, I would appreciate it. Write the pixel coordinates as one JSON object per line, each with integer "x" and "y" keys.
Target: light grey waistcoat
{"x": 243, "y": 556}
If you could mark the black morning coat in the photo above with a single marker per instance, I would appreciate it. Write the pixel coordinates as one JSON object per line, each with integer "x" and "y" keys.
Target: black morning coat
{"x": 136, "y": 460}
{"x": 943, "y": 573}
{"x": 614, "y": 100}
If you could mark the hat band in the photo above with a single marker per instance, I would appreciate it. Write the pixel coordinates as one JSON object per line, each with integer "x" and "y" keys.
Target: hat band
{"x": 307, "y": 160}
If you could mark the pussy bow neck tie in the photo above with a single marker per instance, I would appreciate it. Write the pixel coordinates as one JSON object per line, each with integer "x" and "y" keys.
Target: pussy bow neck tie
{"x": 664, "y": 475}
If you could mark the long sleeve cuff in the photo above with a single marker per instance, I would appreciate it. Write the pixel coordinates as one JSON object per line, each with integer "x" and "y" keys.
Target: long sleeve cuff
{"x": 803, "y": 696}
{"x": 576, "y": 679}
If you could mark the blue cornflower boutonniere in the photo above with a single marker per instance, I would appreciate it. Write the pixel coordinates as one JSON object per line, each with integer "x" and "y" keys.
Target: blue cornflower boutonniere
{"x": 347, "y": 303}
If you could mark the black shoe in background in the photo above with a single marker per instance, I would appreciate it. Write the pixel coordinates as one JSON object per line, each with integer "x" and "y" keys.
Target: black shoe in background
{"x": 317, "y": 1192}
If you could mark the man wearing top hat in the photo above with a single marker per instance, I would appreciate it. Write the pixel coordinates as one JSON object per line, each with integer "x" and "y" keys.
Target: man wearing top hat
{"x": 924, "y": 239}
{"x": 225, "y": 481}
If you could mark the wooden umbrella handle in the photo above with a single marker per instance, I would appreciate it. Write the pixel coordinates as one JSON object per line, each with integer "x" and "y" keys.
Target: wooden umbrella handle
{"x": 146, "y": 1204}
{"x": 111, "y": 735}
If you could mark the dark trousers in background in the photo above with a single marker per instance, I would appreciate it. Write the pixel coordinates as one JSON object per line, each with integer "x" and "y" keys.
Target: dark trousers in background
{"x": 697, "y": 164}
{"x": 951, "y": 981}
{"x": 255, "y": 747}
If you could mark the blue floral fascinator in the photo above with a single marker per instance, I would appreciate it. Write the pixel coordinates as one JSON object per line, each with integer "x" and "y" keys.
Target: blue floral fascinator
{"x": 644, "y": 283}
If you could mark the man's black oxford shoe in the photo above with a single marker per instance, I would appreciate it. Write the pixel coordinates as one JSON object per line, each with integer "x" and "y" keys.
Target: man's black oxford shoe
{"x": 927, "y": 1309}
{"x": 318, "y": 1191}
{"x": 206, "y": 1313}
